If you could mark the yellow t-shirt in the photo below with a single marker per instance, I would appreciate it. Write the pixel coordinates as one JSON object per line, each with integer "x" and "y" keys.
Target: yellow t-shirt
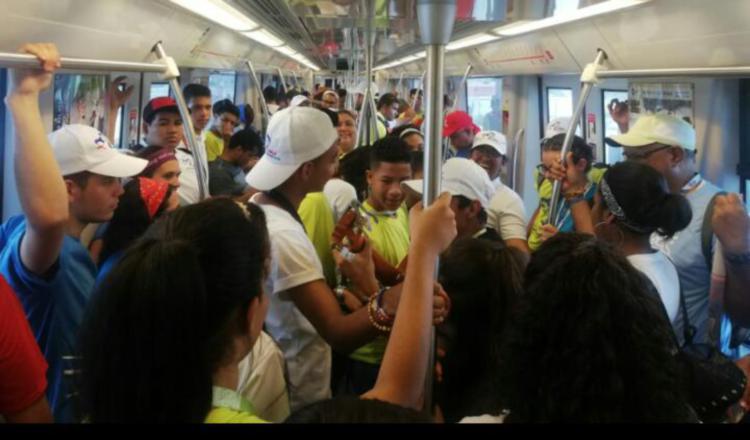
{"x": 214, "y": 146}
{"x": 317, "y": 216}
{"x": 230, "y": 407}
{"x": 389, "y": 235}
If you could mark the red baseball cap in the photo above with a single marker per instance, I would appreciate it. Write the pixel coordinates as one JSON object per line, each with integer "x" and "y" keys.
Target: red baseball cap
{"x": 158, "y": 105}
{"x": 458, "y": 120}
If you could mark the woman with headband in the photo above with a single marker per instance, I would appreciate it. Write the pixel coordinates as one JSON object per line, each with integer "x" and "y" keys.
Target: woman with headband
{"x": 162, "y": 167}
{"x": 632, "y": 203}
{"x": 411, "y": 135}
{"x": 143, "y": 201}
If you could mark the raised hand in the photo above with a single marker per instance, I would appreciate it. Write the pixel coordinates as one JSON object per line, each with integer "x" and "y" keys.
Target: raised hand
{"x": 116, "y": 98}
{"x": 29, "y": 82}
{"x": 731, "y": 224}
{"x": 433, "y": 228}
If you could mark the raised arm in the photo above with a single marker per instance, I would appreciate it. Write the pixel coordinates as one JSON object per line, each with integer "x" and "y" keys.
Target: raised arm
{"x": 732, "y": 227}
{"x": 402, "y": 373}
{"x": 115, "y": 99}
{"x": 41, "y": 189}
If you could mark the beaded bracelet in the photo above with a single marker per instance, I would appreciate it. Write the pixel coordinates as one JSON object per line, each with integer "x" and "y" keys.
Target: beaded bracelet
{"x": 376, "y": 316}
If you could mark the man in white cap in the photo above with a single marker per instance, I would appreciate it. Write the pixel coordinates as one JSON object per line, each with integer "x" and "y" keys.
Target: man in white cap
{"x": 506, "y": 212}
{"x": 64, "y": 182}
{"x": 304, "y": 316}
{"x": 668, "y": 144}
{"x": 472, "y": 190}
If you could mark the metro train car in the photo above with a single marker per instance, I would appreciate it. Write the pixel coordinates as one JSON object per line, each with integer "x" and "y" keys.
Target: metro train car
{"x": 374, "y": 211}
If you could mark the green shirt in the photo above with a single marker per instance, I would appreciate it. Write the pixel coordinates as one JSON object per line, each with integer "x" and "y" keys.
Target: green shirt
{"x": 230, "y": 407}
{"x": 389, "y": 235}
{"x": 214, "y": 146}
{"x": 317, "y": 216}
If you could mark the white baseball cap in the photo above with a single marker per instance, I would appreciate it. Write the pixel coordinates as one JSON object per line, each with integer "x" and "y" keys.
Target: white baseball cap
{"x": 494, "y": 139}
{"x": 79, "y": 148}
{"x": 298, "y": 100}
{"x": 295, "y": 135}
{"x": 657, "y": 128}
{"x": 462, "y": 177}
{"x": 556, "y": 127}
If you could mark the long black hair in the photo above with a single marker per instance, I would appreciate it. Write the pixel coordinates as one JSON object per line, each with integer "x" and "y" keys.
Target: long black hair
{"x": 588, "y": 342}
{"x": 130, "y": 220}
{"x": 484, "y": 281}
{"x": 165, "y": 318}
{"x": 643, "y": 195}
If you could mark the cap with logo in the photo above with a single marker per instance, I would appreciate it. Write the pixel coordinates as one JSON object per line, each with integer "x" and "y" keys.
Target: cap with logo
{"x": 158, "y": 105}
{"x": 295, "y": 135}
{"x": 79, "y": 148}
{"x": 556, "y": 127}
{"x": 493, "y": 139}
{"x": 657, "y": 128}
{"x": 462, "y": 177}
{"x": 459, "y": 120}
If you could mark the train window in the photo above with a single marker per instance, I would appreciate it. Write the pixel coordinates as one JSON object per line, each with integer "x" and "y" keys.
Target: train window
{"x": 484, "y": 98}
{"x": 563, "y": 7}
{"x": 222, "y": 85}
{"x": 559, "y": 103}
{"x": 611, "y": 154}
{"x": 158, "y": 89}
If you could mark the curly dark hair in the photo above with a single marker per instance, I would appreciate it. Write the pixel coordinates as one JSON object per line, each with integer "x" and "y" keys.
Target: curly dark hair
{"x": 484, "y": 280}
{"x": 588, "y": 342}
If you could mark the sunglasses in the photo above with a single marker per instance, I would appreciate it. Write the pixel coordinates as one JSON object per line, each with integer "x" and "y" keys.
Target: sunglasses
{"x": 643, "y": 155}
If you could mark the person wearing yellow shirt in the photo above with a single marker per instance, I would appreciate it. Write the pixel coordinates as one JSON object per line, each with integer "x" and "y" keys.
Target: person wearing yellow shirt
{"x": 387, "y": 228}
{"x": 226, "y": 119}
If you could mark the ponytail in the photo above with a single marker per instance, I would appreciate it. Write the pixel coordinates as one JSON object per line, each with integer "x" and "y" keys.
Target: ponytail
{"x": 674, "y": 214}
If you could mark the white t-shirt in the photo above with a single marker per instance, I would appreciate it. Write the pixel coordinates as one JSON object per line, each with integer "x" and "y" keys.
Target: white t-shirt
{"x": 340, "y": 195}
{"x": 263, "y": 380}
{"x": 507, "y": 214}
{"x": 662, "y": 273}
{"x": 188, "y": 190}
{"x": 294, "y": 262}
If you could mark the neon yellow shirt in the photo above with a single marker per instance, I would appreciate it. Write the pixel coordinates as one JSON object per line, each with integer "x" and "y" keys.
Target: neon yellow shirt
{"x": 389, "y": 235}
{"x": 230, "y": 407}
{"x": 317, "y": 216}
{"x": 214, "y": 146}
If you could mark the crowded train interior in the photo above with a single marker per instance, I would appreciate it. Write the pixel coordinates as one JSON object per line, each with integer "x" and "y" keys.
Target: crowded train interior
{"x": 374, "y": 211}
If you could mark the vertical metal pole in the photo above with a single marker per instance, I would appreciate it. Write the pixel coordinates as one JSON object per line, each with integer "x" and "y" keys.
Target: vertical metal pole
{"x": 198, "y": 150}
{"x": 283, "y": 81}
{"x": 436, "y": 18}
{"x": 433, "y": 154}
{"x": 514, "y": 170}
{"x": 368, "y": 125}
{"x": 585, "y": 92}
{"x": 265, "y": 114}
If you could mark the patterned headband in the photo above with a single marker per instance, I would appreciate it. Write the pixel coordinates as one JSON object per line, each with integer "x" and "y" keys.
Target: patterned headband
{"x": 152, "y": 194}
{"x": 616, "y": 209}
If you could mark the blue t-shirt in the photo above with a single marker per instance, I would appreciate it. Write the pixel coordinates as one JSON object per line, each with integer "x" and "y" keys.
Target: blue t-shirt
{"x": 54, "y": 306}
{"x": 107, "y": 265}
